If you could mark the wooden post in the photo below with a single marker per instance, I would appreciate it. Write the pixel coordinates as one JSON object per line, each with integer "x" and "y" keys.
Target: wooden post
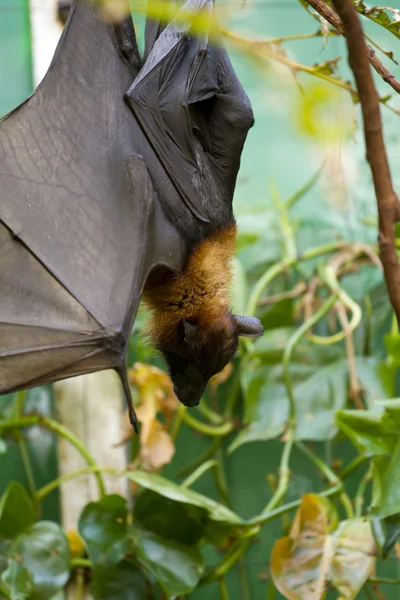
{"x": 91, "y": 407}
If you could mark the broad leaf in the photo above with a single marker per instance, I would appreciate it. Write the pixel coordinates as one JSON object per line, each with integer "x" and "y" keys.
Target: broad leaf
{"x": 176, "y": 567}
{"x": 103, "y": 527}
{"x": 124, "y": 582}
{"x": 183, "y": 523}
{"x": 297, "y": 560}
{"x": 371, "y": 432}
{"x": 18, "y": 581}
{"x": 168, "y": 489}
{"x": 17, "y": 512}
{"x": 310, "y": 557}
{"x": 45, "y": 553}
{"x": 390, "y": 488}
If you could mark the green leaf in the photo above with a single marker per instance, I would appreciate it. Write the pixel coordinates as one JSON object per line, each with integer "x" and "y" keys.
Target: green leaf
{"x": 182, "y": 523}
{"x": 3, "y": 447}
{"x": 177, "y": 568}
{"x": 44, "y": 552}
{"x": 371, "y": 432}
{"x": 124, "y": 582}
{"x": 319, "y": 393}
{"x": 103, "y": 527}
{"x": 317, "y": 400}
{"x": 390, "y": 486}
{"x": 17, "y": 512}
{"x": 18, "y": 580}
{"x": 216, "y": 512}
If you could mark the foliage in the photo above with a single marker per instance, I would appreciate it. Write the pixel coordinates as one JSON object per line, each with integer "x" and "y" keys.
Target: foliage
{"x": 325, "y": 371}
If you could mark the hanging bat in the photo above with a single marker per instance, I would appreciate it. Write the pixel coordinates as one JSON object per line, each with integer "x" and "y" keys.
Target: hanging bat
{"x": 116, "y": 178}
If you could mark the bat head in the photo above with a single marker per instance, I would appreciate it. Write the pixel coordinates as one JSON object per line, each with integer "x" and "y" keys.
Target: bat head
{"x": 204, "y": 349}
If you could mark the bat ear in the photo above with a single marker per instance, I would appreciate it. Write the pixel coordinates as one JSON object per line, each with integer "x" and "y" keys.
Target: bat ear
{"x": 248, "y": 326}
{"x": 190, "y": 331}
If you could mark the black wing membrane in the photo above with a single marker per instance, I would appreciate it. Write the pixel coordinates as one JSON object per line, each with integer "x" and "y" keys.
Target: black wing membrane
{"x": 79, "y": 219}
{"x": 198, "y": 97}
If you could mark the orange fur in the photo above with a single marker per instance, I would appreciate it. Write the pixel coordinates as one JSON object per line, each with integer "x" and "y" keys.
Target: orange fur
{"x": 201, "y": 292}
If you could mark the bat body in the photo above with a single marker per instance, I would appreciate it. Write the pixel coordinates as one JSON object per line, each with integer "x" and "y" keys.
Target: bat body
{"x": 197, "y": 124}
{"x": 116, "y": 176}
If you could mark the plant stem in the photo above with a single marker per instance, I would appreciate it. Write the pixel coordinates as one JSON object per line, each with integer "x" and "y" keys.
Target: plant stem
{"x": 212, "y": 430}
{"x": 206, "y": 455}
{"x": 223, "y": 589}
{"x": 359, "y": 499}
{"x": 319, "y": 463}
{"x": 209, "y": 413}
{"x": 299, "y": 36}
{"x": 331, "y": 477}
{"x": 80, "y": 585}
{"x": 328, "y": 276}
{"x": 81, "y": 563}
{"x": 230, "y": 558}
{"x": 26, "y": 461}
{"x": 220, "y": 476}
{"x": 22, "y": 446}
{"x": 244, "y": 580}
{"x": 267, "y": 516}
{"x": 284, "y": 476}
{"x": 353, "y": 466}
{"x": 49, "y": 487}
{"x": 61, "y": 430}
{"x": 385, "y": 580}
{"x": 203, "y": 468}
{"x": 176, "y": 425}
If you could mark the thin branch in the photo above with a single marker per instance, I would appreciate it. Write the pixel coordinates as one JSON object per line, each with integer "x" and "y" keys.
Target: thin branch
{"x": 297, "y": 291}
{"x": 387, "y": 200}
{"x": 355, "y": 386}
{"x": 332, "y": 18}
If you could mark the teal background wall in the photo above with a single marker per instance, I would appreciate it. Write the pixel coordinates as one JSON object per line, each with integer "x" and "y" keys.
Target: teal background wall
{"x": 15, "y": 53}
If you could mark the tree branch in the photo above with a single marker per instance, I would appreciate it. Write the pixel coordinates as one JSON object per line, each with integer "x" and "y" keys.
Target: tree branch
{"x": 387, "y": 200}
{"x": 327, "y": 13}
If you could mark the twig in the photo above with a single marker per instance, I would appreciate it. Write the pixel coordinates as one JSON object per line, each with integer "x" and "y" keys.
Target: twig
{"x": 263, "y": 52}
{"x": 297, "y": 291}
{"x": 355, "y": 386}
{"x": 387, "y": 200}
{"x": 299, "y": 36}
{"x": 332, "y": 18}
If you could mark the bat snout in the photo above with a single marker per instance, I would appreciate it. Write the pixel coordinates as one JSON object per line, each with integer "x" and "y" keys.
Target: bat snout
{"x": 189, "y": 396}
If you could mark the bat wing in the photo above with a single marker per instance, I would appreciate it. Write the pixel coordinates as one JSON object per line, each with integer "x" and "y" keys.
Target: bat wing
{"x": 198, "y": 98}
{"x": 79, "y": 219}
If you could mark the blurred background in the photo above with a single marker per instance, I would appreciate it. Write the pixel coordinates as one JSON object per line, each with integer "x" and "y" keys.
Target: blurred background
{"x": 302, "y": 125}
